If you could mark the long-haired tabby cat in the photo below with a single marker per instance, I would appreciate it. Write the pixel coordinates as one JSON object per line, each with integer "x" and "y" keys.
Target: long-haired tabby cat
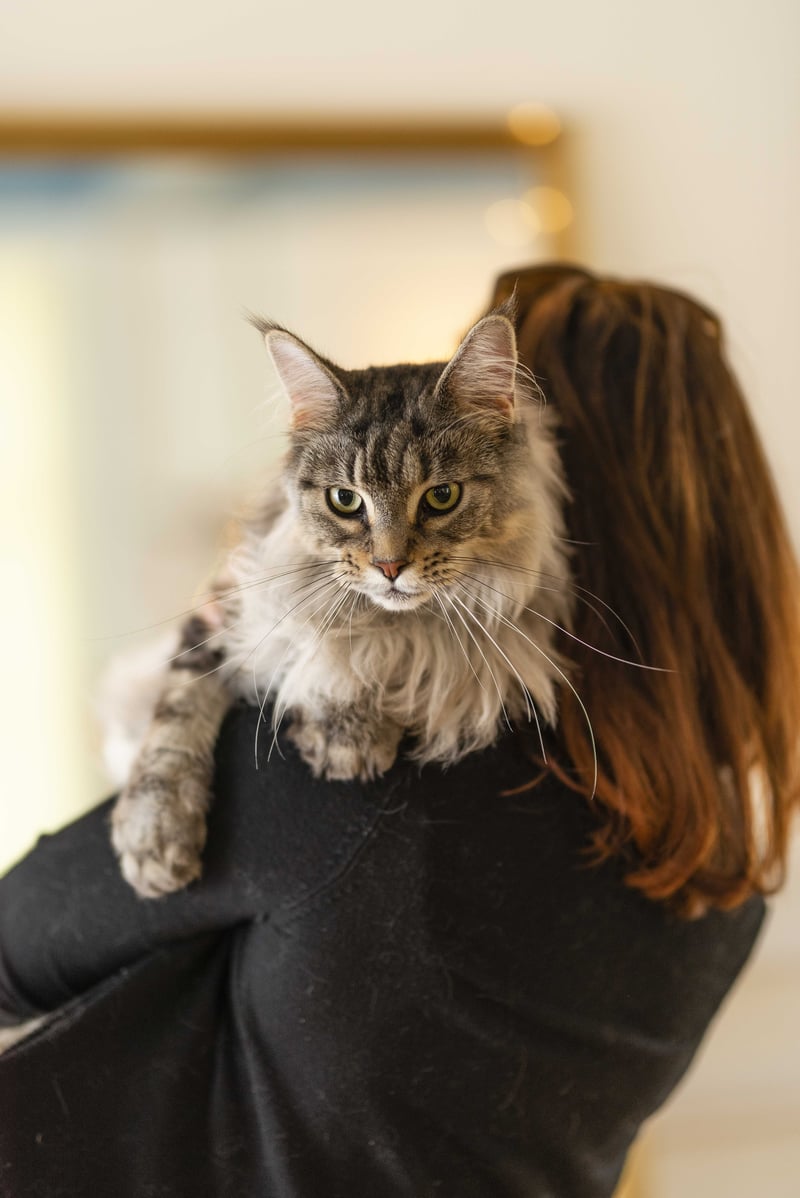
{"x": 403, "y": 579}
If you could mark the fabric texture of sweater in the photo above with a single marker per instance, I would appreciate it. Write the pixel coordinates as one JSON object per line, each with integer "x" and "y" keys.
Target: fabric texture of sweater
{"x": 413, "y": 988}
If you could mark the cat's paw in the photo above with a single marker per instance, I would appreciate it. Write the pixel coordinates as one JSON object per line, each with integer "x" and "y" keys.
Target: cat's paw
{"x": 158, "y": 830}
{"x": 339, "y": 757}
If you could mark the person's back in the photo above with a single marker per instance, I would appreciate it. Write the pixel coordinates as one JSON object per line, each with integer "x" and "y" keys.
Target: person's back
{"x": 416, "y": 987}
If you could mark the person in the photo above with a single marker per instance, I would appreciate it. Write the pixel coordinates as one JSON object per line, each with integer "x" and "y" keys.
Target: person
{"x": 475, "y": 982}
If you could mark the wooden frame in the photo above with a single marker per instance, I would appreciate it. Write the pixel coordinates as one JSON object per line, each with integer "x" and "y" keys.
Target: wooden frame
{"x": 69, "y": 134}
{"x": 530, "y": 131}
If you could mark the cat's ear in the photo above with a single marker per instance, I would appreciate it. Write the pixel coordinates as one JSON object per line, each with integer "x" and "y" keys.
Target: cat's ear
{"x": 313, "y": 392}
{"x": 481, "y": 376}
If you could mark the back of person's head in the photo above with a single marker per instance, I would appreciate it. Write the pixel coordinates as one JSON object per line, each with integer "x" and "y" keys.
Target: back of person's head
{"x": 681, "y": 560}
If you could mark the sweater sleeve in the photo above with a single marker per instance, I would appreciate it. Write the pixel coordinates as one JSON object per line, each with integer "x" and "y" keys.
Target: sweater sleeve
{"x": 68, "y": 920}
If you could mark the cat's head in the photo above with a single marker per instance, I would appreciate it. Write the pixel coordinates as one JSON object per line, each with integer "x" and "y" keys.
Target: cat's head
{"x": 407, "y": 474}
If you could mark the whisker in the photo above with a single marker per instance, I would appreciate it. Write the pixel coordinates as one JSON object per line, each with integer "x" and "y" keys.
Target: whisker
{"x": 335, "y": 605}
{"x": 637, "y": 665}
{"x": 357, "y": 597}
{"x": 199, "y": 644}
{"x": 537, "y": 574}
{"x": 226, "y": 662}
{"x": 334, "y": 608}
{"x": 510, "y": 624}
{"x": 565, "y": 583}
{"x": 471, "y": 634}
{"x": 318, "y": 587}
{"x": 213, "y": 635}
{"x": 452, "y": 628}
{"x": 232, "y": 664}
{"x": 529, "y": 701}
{"x": 308, "y": 598}
{"x": 274, "y": 579}
{"x": 212, "y": 597}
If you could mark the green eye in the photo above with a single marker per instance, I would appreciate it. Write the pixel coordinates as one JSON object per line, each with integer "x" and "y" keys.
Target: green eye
{"x": 443, "y": 498}
{"x": 343, "y": 501}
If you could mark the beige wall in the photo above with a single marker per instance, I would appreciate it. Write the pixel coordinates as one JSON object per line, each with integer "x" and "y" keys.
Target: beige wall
{"x": 683, "y": 122}
{"x": 685, "y": 119}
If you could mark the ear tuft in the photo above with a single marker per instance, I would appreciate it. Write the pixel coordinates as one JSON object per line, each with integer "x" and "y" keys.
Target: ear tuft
{"x": 313, "y": 392}
{"x": 482, "y": 374}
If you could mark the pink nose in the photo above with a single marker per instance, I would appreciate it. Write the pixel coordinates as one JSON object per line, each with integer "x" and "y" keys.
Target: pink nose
{"x": 390, "y": 569}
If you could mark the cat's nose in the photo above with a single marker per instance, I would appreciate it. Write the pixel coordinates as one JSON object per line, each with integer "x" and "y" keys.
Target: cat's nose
{"x": 390, "y": 569}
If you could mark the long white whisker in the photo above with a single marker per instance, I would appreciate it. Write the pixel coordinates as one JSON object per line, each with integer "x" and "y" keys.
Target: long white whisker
{"x": 219, "y": 632}
{"x": 322, "y": 587}
{"x": 318, "y": 587}
{"x": 262, "y": 705}
{"x": 637, "y": 665}
{"x": 280, "y": 661}
{"x": 358, "y": 600}
{"x": 558, "y": 670}
{"x": 466, "y": 655}
{"x": 199, "y": 644}
{"x": 567, "y": 583}
{"x": 229, "y": 662}
{"x": 335, "y": 606}
{"x": 212, "y": 597}
{"x": 450, "y": 599}
{"x": 530, "y": 704}
{"x": 356, "y": 596}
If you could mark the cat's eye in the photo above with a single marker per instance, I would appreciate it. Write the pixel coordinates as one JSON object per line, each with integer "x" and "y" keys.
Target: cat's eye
{"x": 343, "y": 501}
{"x": 442, "y": 498}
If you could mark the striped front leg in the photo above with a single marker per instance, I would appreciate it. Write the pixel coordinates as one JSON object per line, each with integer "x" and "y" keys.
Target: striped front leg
{"x": 159, "y": 821}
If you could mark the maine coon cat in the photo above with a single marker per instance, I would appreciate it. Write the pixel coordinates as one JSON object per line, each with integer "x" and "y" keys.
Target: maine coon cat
{"x": 403, "y": 578}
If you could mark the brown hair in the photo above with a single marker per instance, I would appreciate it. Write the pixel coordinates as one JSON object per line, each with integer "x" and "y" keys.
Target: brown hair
{"x": 679, "y": 530}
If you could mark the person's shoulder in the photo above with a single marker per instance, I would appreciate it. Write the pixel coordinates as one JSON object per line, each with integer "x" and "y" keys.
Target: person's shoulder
{"x": 504, "y": 821}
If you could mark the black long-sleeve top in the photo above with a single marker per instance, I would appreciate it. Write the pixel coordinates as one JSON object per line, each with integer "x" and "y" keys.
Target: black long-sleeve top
{"x": 415, "y": 988}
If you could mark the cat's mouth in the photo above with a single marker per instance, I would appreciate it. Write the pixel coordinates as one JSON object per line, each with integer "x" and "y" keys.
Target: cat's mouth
{"x": 393, "y": 599}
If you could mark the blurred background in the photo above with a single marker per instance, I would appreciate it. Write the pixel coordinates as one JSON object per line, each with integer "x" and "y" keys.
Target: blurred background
{"x": 360, "y": 176}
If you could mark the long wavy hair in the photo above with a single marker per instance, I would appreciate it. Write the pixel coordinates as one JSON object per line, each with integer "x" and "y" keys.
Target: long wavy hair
{"x": 681, "y": 560}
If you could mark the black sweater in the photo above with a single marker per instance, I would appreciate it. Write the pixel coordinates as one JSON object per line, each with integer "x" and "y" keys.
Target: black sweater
{"x": 411, "y": 988}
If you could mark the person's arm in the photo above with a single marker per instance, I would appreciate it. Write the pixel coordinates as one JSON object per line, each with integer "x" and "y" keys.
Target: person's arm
{"x": 69, "y": 920}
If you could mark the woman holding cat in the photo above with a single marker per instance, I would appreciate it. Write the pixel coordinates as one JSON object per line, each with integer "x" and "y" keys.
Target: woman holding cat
{"x": 477, "y": 981}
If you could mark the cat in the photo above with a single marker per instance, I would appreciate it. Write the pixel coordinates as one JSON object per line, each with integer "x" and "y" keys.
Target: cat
{"x": 403, "y": 578}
